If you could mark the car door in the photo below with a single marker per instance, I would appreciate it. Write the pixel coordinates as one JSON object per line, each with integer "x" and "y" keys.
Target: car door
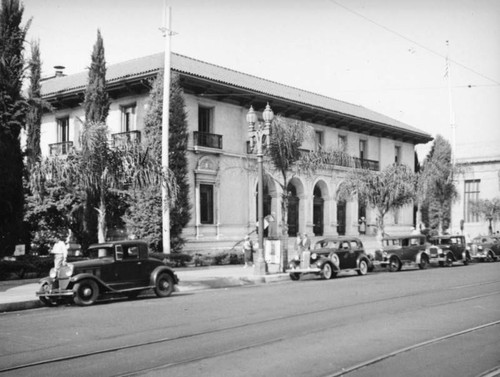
{"x": 128, "y": 270}
{"x": 343, "y": 253}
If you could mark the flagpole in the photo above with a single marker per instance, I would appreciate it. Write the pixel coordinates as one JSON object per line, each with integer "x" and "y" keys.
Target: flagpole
{"x": 166, "y": 29}
{"x": 450, "y": 104}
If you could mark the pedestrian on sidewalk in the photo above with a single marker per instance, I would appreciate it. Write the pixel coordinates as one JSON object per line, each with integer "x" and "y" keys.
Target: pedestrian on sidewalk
{"x": 306, "y": 242}
{"x": 247, "y": 251}
{"x": 60, "y": 250}
{"x": 298, "y": 245}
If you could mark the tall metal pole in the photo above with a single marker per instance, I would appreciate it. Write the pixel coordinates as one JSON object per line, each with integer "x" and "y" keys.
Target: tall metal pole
{"x": 260, "y": 266}
{"x": 450, "y": 103}
{"x": 165, "y": 130}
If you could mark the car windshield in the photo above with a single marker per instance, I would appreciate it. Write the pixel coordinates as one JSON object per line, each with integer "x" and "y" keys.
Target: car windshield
{"x": 326, "y": 244}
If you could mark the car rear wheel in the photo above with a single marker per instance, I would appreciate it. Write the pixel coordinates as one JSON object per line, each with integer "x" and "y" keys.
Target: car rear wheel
{"x": 164, "y": 285}
{"x": 86, "y": 292}
{"x": 449, "y": 261}
{"x": 327, "y": 271}
{"x": 363, "y": 267}
{"x": 424, "y": 262}
{"x": 394, "y": 264}
{"x": 294, "y": 276}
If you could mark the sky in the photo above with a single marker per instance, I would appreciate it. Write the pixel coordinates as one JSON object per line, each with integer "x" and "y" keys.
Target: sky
{"x": 386, "y": 55}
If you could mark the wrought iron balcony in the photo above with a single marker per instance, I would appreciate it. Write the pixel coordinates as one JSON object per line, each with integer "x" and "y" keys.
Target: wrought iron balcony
{"x": 60, "y": 149}
{"x": 205, "y": 139}
{"x": 124, "y": 138}
{"x": 342, "y": 159}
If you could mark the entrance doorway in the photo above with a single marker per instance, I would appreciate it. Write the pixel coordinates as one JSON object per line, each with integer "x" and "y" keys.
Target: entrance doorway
{"x": 341, "y": 218}
{"x": 318, "y": 203}
{"x": 293, "y": 211}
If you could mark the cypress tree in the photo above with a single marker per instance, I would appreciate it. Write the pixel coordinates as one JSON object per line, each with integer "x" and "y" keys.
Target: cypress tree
{"x": 96, "y": 101}
{"x": 12, "y": 119}
{"x": 35, "y": 102}
{"x": 144, "y": 217}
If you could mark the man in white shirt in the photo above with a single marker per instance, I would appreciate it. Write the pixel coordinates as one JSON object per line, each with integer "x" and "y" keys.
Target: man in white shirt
{"x": 60, "y": 251}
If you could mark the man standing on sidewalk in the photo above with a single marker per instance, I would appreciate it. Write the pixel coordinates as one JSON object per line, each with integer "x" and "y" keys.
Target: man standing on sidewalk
{"x": 60, "y": 251}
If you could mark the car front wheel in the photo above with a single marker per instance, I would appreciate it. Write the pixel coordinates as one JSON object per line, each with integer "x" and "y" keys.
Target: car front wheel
{"x": 424, "y": 262}
{"x": 164, "y": 285}
{"x": 294, "y": 276}
{"x": 327, "y": 271}
{"x": 86, "y": 292}
{"x": 47, "y": 301}
{"x": 490, "y": 257}
{"x": 394, "y": 264}
{"x": 363, "y": 267}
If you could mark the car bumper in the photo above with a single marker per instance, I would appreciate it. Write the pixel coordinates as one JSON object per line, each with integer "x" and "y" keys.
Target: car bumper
{"x": 310, "y": 270}
{"x": 55, "y": 293}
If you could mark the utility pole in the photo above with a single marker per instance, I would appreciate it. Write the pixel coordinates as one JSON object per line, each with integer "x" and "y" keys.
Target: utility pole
{"x": 167, "y": 33}
{"x": 450, "y": 103}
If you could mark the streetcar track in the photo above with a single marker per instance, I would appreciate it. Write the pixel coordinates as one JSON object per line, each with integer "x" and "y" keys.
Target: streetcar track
{"x": 381, "y": 358}
{"x": 229, "y": 328}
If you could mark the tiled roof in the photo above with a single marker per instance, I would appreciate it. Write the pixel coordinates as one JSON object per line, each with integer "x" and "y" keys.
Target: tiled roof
{"x": 148, "y": 65}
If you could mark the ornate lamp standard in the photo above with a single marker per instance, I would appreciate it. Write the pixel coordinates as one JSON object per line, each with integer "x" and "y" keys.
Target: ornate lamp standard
{"x": 258, "y": 134}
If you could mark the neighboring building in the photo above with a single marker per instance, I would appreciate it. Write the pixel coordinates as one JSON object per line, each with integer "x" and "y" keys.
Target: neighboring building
{"x": 480, "y": 180}
{"x": 222, "y": 178}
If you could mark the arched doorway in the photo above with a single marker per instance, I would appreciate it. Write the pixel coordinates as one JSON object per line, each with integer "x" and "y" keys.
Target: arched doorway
{"x": 293, "y": 211}
{"x": 318, "y": 205}
{"x": 341, "y": 217}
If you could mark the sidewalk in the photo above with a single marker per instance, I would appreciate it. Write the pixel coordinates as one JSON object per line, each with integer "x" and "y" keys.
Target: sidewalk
{"x": 20, "y": 294}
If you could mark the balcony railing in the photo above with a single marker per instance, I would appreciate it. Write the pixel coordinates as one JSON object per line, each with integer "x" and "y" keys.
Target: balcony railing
{"x": 124, "y": 138}
{"x": 60, "y": 149}
{"x": 344, "y": 160}
{"x": 205, "y": 139}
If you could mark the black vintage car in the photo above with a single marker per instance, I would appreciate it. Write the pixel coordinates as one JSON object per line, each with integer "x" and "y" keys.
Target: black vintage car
{"x": 485, "y": 248}
{"x": 448, "y": 249}
{"x": 331, "y": 256}
{"x": 119, "y": 267}
{"x": 402, "y": 250}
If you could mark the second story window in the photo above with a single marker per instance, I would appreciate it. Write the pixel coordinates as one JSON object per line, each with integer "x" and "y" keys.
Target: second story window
{"x": 362, "y": 150}
{"x": 318, "y": 140}
{"x": 205, "y": 119}
{"x": 128, "y": 118}
{"x": 343, "y": 143}
{"x": 397, "y": 154}
{"x": 63, "y": 130}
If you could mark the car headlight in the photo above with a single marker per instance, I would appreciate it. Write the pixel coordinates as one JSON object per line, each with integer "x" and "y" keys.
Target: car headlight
{"x": 296, "y": 257}
{"x": 52, "y": 273}
{"x": 480, "y": 248}
{"x": 314, "y": 256}
{"x": 66, "y": 271}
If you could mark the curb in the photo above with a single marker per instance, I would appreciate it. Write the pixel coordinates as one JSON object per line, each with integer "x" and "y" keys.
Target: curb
{"x": 183, "y": 286}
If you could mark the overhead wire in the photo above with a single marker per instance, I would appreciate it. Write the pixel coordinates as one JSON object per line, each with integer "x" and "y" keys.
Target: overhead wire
{"x": 413, "y": 41}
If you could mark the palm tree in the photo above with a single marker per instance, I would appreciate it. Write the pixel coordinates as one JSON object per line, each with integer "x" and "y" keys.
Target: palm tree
{"x": 489, "y": 209}
{"x": 100, "y": 169}
{"x": 385, "y": 191}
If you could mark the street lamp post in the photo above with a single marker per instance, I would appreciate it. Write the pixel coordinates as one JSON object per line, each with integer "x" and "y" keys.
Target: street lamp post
{"x": 258, "y": 134}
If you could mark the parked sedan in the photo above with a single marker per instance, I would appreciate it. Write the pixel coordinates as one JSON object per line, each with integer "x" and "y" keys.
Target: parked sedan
{"x": 331, "y": 256}
{"x": 402, "y": 250}
{"x": 448, "y": 249}
{"x": 485, "y": 248}
{"x": 120, "y": 267}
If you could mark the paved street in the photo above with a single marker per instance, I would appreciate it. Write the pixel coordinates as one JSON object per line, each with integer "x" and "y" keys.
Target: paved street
{"x": 440, "y": 321}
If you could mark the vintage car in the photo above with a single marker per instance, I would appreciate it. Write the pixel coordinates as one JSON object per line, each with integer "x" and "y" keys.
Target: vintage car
{"x": 119, "y": 267}
{"x": 402, "y": 250}
{"x": 448, "y": 249}
{"x": 330, "y": 256}
{"x": 485, "y": 248}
